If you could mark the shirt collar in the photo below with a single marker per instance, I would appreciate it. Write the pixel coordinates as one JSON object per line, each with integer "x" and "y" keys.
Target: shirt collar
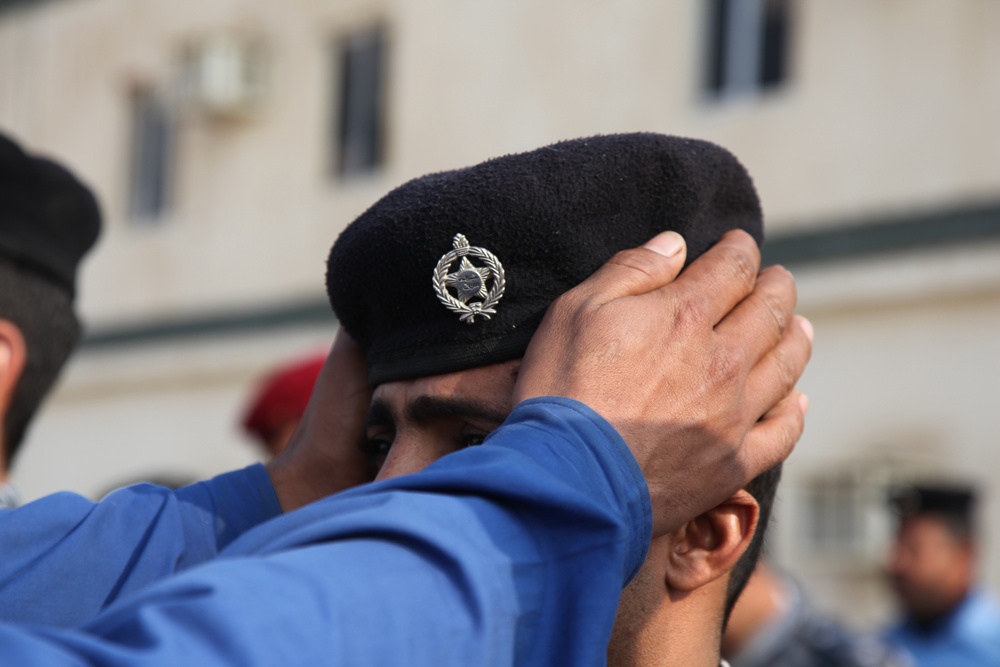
{"x": 9, "y": 497}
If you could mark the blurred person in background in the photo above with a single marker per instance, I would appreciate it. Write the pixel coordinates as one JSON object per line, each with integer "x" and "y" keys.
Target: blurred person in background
{"x": 775, "y": 625}
{"x": 48, "y": 222}
{"x": 946, "y": 620}
{"x": 279, "y": 402}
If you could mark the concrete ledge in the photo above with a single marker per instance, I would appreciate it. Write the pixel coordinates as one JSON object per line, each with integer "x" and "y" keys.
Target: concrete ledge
{"x": 947, "y": 228}
{"x": 889, "y": 235}
{"x": 269, "y": 317}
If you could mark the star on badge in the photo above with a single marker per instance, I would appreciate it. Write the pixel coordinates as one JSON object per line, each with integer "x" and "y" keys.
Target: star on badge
{"x": 477, "y": 289}
{"x": 469, "y": 281}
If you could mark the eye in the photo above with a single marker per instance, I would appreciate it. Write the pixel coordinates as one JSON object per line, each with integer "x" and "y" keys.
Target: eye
{"x": 472, "y": 439}
{"x": 376, "y": 449}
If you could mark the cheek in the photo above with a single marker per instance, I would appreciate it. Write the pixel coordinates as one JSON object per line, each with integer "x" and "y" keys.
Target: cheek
{"x": 411, "y": 452}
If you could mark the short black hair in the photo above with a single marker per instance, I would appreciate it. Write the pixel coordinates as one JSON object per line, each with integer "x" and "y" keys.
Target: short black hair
{"x": 763, "y": 488}
{"x": 43, "y": 311}
{"x": 953, "y": 504}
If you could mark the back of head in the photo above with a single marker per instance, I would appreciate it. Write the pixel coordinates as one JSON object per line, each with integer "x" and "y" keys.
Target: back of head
{"x": 455, "y": 270}
{"x": 48, "y": 221}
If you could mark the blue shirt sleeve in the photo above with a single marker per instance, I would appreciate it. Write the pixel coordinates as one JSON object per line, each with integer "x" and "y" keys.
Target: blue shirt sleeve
{"x": 510, "y": 553}
{"x": 64, "y": 557}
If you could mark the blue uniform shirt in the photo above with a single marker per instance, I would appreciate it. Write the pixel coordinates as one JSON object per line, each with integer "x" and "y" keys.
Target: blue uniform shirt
{"x": 968, "y": 637}
{"x": 514, "y": 552}
{"x": 63, "y": 558}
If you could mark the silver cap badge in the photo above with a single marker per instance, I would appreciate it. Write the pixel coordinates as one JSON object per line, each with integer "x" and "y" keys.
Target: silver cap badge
{"x": 468, "y": 281}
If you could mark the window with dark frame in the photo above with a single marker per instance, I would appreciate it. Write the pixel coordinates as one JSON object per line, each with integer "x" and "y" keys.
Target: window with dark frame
{"x": 747, "y": 46}
{"x": 151, "y": 155}
{"x": 833, "y": 516}
{"x": 359, "y": 119}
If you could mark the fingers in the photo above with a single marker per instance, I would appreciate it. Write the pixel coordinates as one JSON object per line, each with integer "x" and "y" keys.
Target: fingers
{"x": 760, "y": 320}
{"x": 322, "y": 456}
{"x": 772, "y": 439}
{"x": 638, "y": 270}
{"x": 723, "y": 276}
{"x": 779, "y": 370}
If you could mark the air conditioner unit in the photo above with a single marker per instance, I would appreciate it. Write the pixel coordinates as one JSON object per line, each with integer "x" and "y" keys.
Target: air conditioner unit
{"x": 225, "y": 75}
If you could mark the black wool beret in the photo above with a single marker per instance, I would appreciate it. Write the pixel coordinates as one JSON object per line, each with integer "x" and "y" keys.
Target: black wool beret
{"x": 421, "y": 300}
{"x": 48, "y": 218}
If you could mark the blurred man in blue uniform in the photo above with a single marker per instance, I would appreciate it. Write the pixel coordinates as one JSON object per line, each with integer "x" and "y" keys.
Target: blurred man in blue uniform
{"x": 774, "y": 624}
{"x": 48, "y": 221}
{"x": 947, "y": 621}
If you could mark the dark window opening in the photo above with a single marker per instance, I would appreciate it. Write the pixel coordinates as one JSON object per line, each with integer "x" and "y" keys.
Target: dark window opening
{"x": 151, "y": 156}
{"x": 359, "y": 122}
{"x": 746, "y": 46}
{"x": 773, "y": 57}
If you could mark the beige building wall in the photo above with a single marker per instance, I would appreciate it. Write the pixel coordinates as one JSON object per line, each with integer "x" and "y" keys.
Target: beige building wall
{"x": 889, "y": 111}
{"x": 904, "y": 381}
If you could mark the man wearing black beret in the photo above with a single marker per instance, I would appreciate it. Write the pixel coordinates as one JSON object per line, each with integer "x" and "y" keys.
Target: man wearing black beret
{"x": 643, "y": 405}
{"x": 947, "y": 620}
{"x": 48, "y": 221}
{"x": 444, "y": 331}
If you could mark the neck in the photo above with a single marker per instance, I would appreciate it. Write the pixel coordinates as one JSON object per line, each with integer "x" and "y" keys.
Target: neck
{"x": 682, "y": 632}
{"x": 928, "y": 621}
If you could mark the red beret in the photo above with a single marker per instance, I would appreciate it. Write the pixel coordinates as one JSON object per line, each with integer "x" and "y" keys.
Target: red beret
{"x": 282, "y": 396}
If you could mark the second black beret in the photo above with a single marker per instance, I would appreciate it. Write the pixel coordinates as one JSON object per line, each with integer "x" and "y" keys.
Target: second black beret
{"x": 48, "y": 218}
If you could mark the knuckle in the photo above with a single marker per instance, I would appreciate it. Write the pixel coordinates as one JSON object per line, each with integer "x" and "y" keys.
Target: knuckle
{"x": 639, "y": 260}
{"x": 572, "y": 301}
{"x": 727, "y": 364}
{"x": 778, "y": 311}
{"x": 786, "y": 370}
{"x": 689, "y": 314}
{"x": 789, "y": 433}
{"x": 742, "y": 264}
{"x": 784, "y": 282}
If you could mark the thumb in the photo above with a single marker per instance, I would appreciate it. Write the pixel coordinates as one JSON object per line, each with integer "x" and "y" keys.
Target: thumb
{"x": 639, "y": 271}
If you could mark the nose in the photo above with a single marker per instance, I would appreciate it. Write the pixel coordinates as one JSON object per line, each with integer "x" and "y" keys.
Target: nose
{"x": 410, "y": 453}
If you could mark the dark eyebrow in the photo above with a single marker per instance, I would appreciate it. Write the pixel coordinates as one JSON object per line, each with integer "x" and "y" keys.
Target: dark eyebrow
{"x": 427, "y": 408}
{"x": 378, "y": 414}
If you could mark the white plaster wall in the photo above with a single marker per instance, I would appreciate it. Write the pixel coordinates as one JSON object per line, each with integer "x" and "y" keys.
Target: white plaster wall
{"x": 904, "y": 373}
{"x": 891, "y": 107}
{"x": 121, "y": 415}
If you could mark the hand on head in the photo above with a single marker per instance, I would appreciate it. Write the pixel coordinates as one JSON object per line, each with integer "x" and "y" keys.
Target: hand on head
{"x": 323, "y": 456}
{"x": 696, "y": 372}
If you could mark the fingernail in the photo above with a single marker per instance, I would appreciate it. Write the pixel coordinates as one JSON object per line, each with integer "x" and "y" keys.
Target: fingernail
{"x": 804, "y": 403}
{"x": 807, "y": 327}
{"x": 667, "y": 244}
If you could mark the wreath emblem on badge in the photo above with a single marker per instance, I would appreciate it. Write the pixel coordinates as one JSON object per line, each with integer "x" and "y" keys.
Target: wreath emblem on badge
{"x": 469, "y": 281}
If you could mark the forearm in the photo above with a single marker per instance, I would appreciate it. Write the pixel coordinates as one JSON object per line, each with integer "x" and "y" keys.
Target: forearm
{"x": 509, "y": 553}
{"x": 65, "y": 557}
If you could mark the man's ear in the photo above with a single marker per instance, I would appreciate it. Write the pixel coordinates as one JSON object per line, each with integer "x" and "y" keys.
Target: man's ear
{"x": 708, "y": 546}
{"x": 13, "y": 355}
